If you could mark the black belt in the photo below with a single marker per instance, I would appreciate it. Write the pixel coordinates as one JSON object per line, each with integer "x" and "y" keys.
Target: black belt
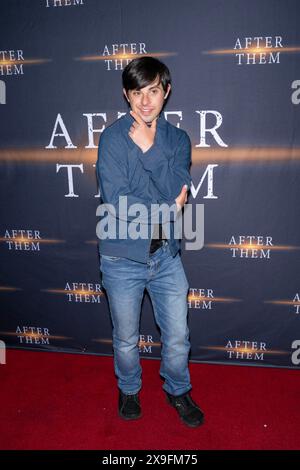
{"x": 156, "y": 244}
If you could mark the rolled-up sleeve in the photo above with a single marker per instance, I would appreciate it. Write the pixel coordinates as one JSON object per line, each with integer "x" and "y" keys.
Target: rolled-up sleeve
{"x": 169, "y": 174}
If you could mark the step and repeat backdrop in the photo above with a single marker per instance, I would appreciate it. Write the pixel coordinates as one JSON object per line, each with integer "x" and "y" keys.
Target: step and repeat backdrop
{"x": 236, "y": 91}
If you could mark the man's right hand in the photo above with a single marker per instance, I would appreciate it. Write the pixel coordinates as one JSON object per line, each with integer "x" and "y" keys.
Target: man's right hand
{"x": 181, "y": 198}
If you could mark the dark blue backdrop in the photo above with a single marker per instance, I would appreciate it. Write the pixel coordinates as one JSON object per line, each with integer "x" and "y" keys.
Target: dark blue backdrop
{"x": 236, "y": 91}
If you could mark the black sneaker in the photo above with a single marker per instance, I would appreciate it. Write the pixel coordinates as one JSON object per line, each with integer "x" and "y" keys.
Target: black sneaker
{"x": 129, "y": 406}
{"x": 188, "y": 410}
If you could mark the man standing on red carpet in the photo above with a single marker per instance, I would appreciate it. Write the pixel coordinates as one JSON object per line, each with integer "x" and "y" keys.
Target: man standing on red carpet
{"x": 143, "y": 162}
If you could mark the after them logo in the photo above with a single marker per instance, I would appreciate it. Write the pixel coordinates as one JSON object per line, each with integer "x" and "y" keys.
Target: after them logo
{"x": 63, "y": 3}
{"x": 118, "y": 56}
{"x": 22, "y": 240}
{"x": 83, "y": 292}
{"x": 200, "y": 298}
{"x": 32, "y": 335}
{"x": 246, "y": 350}
{"x": 145, "y": 344}
{"x": 11, "y": 62}
{"x": 258, "y": 50}
{"x": 296, "y": 303}
{"x": 250, "y": 246}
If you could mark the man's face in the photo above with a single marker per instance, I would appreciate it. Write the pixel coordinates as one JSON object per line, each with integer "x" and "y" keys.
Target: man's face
{"x": 148, "y": 101}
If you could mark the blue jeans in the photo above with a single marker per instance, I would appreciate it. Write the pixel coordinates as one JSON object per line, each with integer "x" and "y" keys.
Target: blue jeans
{"x": 164, "y": 278}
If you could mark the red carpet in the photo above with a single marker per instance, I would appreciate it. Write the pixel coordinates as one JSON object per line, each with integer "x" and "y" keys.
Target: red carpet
{"x": 69, "y": 401}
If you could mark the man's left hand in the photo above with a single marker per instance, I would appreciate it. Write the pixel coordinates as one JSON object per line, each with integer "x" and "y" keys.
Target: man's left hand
{"x": 141, "y": 134}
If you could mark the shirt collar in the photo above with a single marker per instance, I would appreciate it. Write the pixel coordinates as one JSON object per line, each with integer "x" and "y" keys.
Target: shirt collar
{"x": 159, "y": 135}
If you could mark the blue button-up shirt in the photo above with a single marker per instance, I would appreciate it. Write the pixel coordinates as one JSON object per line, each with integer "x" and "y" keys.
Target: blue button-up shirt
{"x": 153, "y": 177}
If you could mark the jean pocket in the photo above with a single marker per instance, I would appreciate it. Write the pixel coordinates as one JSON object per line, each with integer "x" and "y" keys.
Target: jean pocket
{"x": 110, "y": 258}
